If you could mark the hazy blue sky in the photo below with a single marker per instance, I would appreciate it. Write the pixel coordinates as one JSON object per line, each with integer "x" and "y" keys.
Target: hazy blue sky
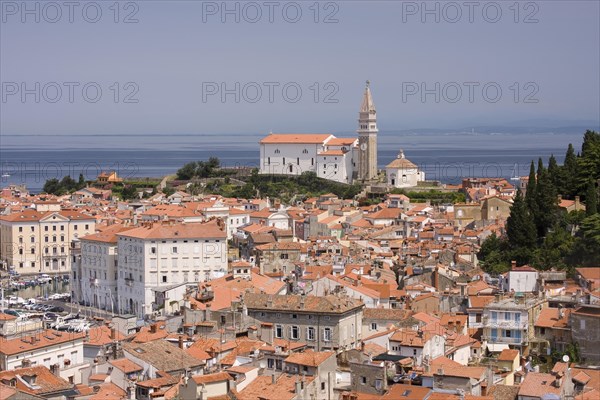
{"x": 177, "y": 48}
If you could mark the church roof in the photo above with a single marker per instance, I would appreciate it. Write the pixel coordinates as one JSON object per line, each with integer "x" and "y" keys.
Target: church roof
{"x": 401, "y": 163}
{"x": 367, "y": 103}
{"x": 312, "y": 138}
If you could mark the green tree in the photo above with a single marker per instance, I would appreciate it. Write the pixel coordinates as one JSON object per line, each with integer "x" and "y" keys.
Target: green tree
{"x": 81, "y": 182}
{"x": 188, "y": 171}
{"x": 557, "y": 245}
{"x": 554, "y": 173}
{"x": 52, "y": 186}
{"x": 520, "y": 229}
{"x": 569, "y": 173}
{"x": 588, "y": 165}
{"x": 591, "y": 198}
{"x": 129, "y": 192}
{"x": 546, "y": 200}
{"x": 531, "y": 190}
{"x": 586, "y": 249}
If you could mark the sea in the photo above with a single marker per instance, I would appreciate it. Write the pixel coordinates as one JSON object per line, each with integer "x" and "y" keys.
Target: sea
{"x": 447, "y": 157}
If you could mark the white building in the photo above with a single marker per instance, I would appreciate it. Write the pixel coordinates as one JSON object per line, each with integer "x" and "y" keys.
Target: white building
{"x": 337, "y": 159}
{"x": 402, "y": 173}
{"x": 97, "y": 279}
{"x": 158, "y": 255}
{"x": 47, "y": 348}
{"x": 521, "y": 279}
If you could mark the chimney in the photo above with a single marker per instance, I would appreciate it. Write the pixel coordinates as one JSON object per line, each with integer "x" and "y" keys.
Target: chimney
{"x": 513, "y": 264}
{"x": 181, "y": 342}
{"x": 576, "y": 202}
{"x": 153, "y": 327}
{"x": 113, "y": 333}
{"x": 55, "y": 369}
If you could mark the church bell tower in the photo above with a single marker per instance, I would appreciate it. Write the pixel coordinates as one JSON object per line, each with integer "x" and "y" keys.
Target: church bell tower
{"x": 367, "y": 138}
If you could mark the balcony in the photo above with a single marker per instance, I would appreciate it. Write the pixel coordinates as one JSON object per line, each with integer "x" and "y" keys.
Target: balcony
{"x": 506, "y": 340}
{"x": 505, "y": 324}
{"x": 129, "y": 282}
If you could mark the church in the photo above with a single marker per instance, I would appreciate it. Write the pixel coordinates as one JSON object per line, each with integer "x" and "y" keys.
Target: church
{"x": 346, "y": 160}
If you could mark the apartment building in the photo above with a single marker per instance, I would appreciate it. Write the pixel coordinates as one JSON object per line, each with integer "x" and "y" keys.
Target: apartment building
{"x": 96, "y": 271}
{"x": 158, "y": 255}
{"x": 59, "y": 351}
{"x": 511, "y": 321}
{"x": 35, "y": 242}
{"x": 323, "y": 323}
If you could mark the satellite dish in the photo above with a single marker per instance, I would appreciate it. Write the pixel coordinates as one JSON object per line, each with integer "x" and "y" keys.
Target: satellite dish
{"x": 565, "y": 358}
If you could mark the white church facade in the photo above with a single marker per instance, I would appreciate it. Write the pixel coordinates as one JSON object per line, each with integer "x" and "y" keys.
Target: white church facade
{"x": 345, "y": 160}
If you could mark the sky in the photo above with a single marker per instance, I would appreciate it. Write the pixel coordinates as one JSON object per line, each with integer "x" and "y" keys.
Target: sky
{"x": 194, "y": 67}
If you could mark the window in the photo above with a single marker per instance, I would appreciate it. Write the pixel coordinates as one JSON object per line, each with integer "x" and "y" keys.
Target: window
{"x": 33, "y": 239}
{"x": 414, "y": 352}
{"x": 298, "y": 160}
{"x": 322, "y": 386}
{"x": 174, "y": 250}
{"x": 46, "y": 228}
{"x": 164, "y": 279}
{"x": 20, "y": 229}
{"x": 284, "y": 160}
{"x": 378, "y": 384}
{"x": 278, "y": 331}
{"x": 373, "y": 326}
{"x": 294, "y": 332}
{"x": 295, "y": 316}
{"x": 310, "y": 333}
{"x": 327, "y": 334}
{"x": 87, "y": 226}
{"x": 270, "y": 363}
{"x": 363, "y": 380}
{"x": 269, "y": 160}
{"x": 54, "y": 228}
{"x": 74, "y": 227}
{"x": 312, "y": 161}
{"x": 153, "y": 250}
{"x": 543, "y": 331}
{"x": 33, "y": 250}
{"x": 283, "y": 256}
{"x": 305, "y": 151}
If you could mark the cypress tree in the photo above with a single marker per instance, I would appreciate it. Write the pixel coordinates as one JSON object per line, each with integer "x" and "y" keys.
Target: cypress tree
{"x": 546, "y": 200}
{"x": 520, "y": 227}
{"x": 531, "y": 190}
{"x": 554, "y": 173}
{"x": 569, "y": 173}
{"x": 591, "y": 199}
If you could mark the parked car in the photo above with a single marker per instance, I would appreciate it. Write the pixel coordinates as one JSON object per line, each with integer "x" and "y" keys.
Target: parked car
{"x": 14, "y": 301}
{"x": 12, "y": 312}
{"x": 56, "y": 309}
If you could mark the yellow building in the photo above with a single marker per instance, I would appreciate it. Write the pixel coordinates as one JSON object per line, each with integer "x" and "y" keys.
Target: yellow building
{"x": 40, "y": 241}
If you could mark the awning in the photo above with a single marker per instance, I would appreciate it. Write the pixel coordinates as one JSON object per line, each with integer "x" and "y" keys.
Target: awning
{"x": 496, "y": 347}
